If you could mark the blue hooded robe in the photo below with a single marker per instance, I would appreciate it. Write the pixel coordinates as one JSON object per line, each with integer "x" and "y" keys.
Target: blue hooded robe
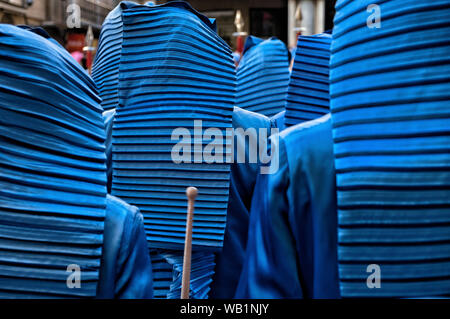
{"x": 55, "y": 215}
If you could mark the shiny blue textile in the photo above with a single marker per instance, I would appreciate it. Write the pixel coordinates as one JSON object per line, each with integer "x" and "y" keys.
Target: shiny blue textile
{"x": 52, "y": 169}
{"x": 229, "y": 261}
{"x": 390, "y": 97}
{"x": 278, "y": 120}
{"x": 263, "y": 76}
{"x": 174, "y": 69}
{"x": 308, "y": 95}
{"x": 292, "y": 240}
{"x": 126, "y": 270}
{"x": 243, "y": 179}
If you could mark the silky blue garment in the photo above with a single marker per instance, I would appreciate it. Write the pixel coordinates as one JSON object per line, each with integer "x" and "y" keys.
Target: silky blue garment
{"x": 126, "y": 270}
{"x": 308, "y": 95}
{"x": 278, "y": 120}
{"x": 292, "y": 240}
{"x": 263, "y": 76}
{"x": 243, "y": 179}
{"x": 390, "y": 97}
{"x": 174, "y": 69}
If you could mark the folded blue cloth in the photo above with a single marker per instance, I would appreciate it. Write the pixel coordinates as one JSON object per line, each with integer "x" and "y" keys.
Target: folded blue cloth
{"x": 52, "y": 169}
{"x": 174, "y": 69}
{"x": 390, "y": 95}
{"x": 263, "y": 76}
{"x": 105, "y": 70}
{"x": 308, "y": 95}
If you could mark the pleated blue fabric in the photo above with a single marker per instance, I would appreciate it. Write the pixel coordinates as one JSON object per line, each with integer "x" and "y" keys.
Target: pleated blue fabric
{"x": 263, "y": 76}
{"x": 162, "y": 275}
{"x": 174, "y": 69}
{"x": 108, "y": 120}
{"x": 52, "y": 170}
{"x": 308, "y": 96}
{"x": 202, "y": 271}
{"x": 390, "y": 97}
{"x": 105, "y": 70}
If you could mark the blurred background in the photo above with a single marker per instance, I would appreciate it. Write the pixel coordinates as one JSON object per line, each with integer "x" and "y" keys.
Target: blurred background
{"x": 76, "y": 24}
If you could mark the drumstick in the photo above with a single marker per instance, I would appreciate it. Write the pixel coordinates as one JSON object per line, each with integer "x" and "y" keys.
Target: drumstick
{"x": 191, "y": 193}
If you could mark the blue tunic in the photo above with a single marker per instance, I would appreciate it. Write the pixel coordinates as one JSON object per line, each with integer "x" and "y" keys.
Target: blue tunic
{"x": 243, "y": 179}
{"x": 291, "y": 249}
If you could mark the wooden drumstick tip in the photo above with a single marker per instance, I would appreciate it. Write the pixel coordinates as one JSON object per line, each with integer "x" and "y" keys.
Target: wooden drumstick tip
{"x": 191, "y": 193}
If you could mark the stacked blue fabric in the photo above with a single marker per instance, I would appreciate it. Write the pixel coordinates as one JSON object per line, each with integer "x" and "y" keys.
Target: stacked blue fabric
{"x": 308, "y": 95}
{"x": 105, "y": 70}
{"x": 174, "y": 69}
{"x": 263, "y": 76}
{"x": 390, "y": 97}
{"x": 52, "y": 170}
{"x": 162, "y": 275}
{"x": 202, "y": 271}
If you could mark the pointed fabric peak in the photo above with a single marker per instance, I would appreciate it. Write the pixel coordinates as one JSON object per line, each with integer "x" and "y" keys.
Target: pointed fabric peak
{"x": 52, "y": 168}
{"x": 308, "y": 96}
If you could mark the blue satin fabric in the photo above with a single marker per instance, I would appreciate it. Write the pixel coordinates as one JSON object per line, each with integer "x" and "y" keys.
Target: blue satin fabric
{"x": 108, "y": 120}
{"x": 126, "y": 269}
{"x": 263, "y": 76}
{"x": 243, "y": 179}
{"x": 292, "y": 240}
{"x": 278, "y": 120}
